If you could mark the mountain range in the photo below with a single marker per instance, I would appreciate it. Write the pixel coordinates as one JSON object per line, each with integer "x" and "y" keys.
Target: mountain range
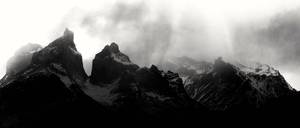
{"x": 49, "y": 87}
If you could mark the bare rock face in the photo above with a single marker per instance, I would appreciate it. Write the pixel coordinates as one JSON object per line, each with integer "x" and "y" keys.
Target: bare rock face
{"x": 62, "y": 52}
{"x": 47, "y": 90}
{"x": 110, "y": 64}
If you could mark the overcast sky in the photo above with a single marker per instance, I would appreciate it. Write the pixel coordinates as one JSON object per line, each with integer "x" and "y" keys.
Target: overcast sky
{"x": 266, "y": 31}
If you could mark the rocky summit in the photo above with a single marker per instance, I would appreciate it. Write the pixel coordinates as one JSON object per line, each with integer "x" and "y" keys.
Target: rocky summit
{"x": 110, "y": 64}
{"x": 222, "y": 86}
{"x": 48, "y": 87}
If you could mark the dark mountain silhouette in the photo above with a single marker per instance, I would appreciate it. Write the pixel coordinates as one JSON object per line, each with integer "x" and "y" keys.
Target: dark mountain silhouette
{"x": 52, "y": 89}
{"x": 48, "y": 87}
{"x": 110, "y": 64}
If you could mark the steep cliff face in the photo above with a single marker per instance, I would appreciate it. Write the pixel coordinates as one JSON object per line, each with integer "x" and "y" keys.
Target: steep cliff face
{"x": 110, "y": 64}
{"x": 47, "y": 90}
{"x": 62, "y": 53}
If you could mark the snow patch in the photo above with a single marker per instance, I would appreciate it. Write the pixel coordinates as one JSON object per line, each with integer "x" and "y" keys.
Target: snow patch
{"x": 121, "y": 59}
{"x": 186, "y": 81}
{"x": 64, "y": 78}
{"x": 59, "y": 67}
{"x": 259, "y": 69}
{"x": 34, "y": 51}
{"x": 74, "y": 51}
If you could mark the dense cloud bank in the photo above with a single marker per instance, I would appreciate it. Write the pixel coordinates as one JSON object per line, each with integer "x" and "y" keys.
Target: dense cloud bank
{"x": 275, "y": 41}
{"x": 149, "y": 35}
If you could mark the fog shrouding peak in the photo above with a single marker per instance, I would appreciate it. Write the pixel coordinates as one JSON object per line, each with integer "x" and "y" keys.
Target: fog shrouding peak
{"x": 277, "y": 43}
{"x": 148, "y": 32}
{"x": 147, "y": 36}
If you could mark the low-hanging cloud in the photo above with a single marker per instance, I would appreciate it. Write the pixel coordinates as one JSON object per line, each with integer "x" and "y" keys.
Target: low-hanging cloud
{"x": 275, "y": 42}
{"x": 125, "y": 24}
{"x": 149, "y": 35}
{"x": 146, "y": 36}
{"x": 144, "y": 40}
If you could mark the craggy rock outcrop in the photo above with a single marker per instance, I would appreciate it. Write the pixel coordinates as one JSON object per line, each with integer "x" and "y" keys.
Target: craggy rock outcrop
{"x": 62, "y": 52}
{"x": 149, "y": 91}
{"x": 110, "y": 64}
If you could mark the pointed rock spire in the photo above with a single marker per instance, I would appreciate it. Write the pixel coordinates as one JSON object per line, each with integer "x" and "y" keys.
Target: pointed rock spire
{"x": 110, "y": 64}
{"x": 109, "y": 49}
{"x": 62, "y": 51}
{"x": 65, "y": 41}
{"x": 69, "y": 35}
{"x": 114, "y": 47}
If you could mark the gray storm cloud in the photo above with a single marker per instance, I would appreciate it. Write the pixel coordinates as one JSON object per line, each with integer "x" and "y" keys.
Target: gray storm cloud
{"x": 149, "y": 37}
{"x": 142, "y": 39}
{"x": 277, "y": 42}
{"x": 126, "y": 25}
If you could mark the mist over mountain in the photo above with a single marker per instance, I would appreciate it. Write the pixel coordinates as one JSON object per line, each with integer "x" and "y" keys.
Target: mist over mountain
{"x": 202, "y": 30}
{"x": 275, "y": 41}
{"x": 150, "y": 33}
{"x": 50, "y": 86}
{"x": 94, "y": 63}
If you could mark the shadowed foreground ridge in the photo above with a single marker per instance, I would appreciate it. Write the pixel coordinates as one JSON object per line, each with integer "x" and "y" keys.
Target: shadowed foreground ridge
{"x": 49, "y": 88}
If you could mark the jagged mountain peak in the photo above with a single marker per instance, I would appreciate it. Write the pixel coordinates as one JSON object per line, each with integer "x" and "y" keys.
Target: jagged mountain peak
{"x": 258, "y": 69}
{"x": 110, "y": 64}
{"x": 153, "y": 68}
{"x": 112, "y": 51}
{"x": 108, "y": 50}
{"x": 59, "y": 57}
{"x": 253, "y": 84}
{"x": 185, "y": 65}
{"x": 68, "y": 34}
{"x": 221, "y": 85}
{"x": 62, "y": 52}
{"x": 112, "y": 48}
{"x": 56, "y": 50}
{"x": 65, "y": 41}
{"x": 117, "y": 86}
